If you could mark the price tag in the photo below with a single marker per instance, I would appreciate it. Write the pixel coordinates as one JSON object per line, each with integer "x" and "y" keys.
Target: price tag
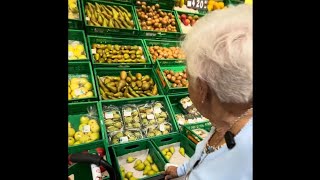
{"x": 157, "y": 110}
{"x": 87, "y": 18}
{"x": 124, "y": 139}
{"x": 151, "y": 34}
{"x": 94, "y": 51}
{"x": 162, "y": 127}
{"x": 78, "y": 92}
{"x": 190, "y": 120}
{"x": 197, "y": 4}
{"x": 126, "y": 113}
{"x": 108, "y": 115}
{"x": 86, "y": 128}
{"x": 150, "y": 116}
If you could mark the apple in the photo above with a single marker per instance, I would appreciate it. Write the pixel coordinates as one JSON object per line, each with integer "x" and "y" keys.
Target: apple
{"x": 77, "y": 143}
{"x": 190, "y": 18}
{"x": 101, "y": 151}
{"x": 71, "y": 132}
{"x": 183, "y": 16}
{"x": 70, "y": 141}
{"x": 84, "y": 120}
{"x": 94, "y": 136}
{"x": 78, "y": 135}
{"x": 193, "y": 22}
{"x": 84, "y": 139}
{"x": 94, "y": 128}
{"x": 186, "y": 22}
{"x": 92, "y": 121}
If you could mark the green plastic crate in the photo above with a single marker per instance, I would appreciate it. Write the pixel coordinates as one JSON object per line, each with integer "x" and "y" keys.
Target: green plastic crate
{"x": 139, "y": 101}
{"x": 188, "y": 145}
{"x": 76, "y": 24}
{"x": 163, "y": 43}
{"x": 122, "y": 149}
{"x": 78, "y": 68}
{"x": 177, "y": 13}
{"x": 120, "y": 41}
{"x": 159, "y": 34}
{"x": 116, "y": 72}
{"x": 187, "y": 130}
{"x": 78, "y": 35}
{"x": 98, "y": 30}
{"x": 75, "y": 111}
{"x": 82, "y": 171}
{"x": 166, "y": 85}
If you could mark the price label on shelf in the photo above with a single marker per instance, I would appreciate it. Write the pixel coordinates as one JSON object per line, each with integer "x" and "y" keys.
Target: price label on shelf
{"x": 151, "y": 34}
{"x": 108, "y": 115}
{"x": 197, "y": 4}
{"x": 124, "y": 139}
{"x": 157, "y": 110}
{"x": 86, "y": 128}
{"x": 162, "y": 127}
{"x": 150, "y": 116}
{"x": 94, "y": 51}
{"x": 126, "y": 113}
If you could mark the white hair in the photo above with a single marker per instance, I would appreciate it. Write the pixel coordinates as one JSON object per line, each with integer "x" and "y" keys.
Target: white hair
{"x": 219, "y": 51}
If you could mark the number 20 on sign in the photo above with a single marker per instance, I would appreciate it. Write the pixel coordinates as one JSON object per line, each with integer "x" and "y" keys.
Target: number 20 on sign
{"x": 197, "y": 4}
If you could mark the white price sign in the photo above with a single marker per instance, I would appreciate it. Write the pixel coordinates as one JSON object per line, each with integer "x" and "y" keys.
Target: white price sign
{"x": 197, "y": 4}
{"x": 108, "y": 115}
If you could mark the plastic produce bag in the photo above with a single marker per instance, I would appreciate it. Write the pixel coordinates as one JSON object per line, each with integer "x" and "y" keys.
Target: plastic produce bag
{"x": 131, "y": 116}
{"x": 147, "y": 115}
{"x": 87, "y": 131}
{"x": 76, "y": 50}
{"x": 112, "y": 118}
{"x": 125, "y": 136}
{"x": 79, "y": 86}
{"x": 188, "y": 105}
{"x": 158, "y": 130}
{"x": 160, "y": 112}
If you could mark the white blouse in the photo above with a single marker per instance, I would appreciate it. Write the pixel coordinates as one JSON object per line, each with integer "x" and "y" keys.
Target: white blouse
{"x": 223, "y": 164}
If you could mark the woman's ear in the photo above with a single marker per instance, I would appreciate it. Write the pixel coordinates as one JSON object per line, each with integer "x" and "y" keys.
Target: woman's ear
{"x": 203, "y": 90}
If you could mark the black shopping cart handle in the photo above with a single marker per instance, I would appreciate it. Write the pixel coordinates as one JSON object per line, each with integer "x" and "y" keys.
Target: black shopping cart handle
{"x": 159, "y": 177}
{"x": 94, "y": 159}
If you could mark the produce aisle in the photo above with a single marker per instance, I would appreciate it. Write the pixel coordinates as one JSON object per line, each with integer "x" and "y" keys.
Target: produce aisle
{"x": 127, "y": 85}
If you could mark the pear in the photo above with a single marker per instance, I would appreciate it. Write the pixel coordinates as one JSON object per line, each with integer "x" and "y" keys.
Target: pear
{"x": 167, "y": 157}
{"x": 154, "y": 167}
{"x": 132, "y": 178}
{"x": 149, "y": 158}
{"x": 169, "y": 154}
{"x": 137, "y": 163}
{"x": 130, "y": 159}
{"x": 151, "y": 172}
{"x": 171, "y": 149}
{"x": 129, "y": 174}
{"x": 146, "y": 162}
{"x": 181, "y": 151}
{"x": 140, "y": 167}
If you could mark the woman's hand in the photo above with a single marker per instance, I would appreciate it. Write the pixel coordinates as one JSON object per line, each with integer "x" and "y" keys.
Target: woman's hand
{"x": 171, "y": 172}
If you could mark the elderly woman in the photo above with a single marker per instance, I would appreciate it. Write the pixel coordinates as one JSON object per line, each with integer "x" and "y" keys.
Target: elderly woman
{"x": 219, "y": 66}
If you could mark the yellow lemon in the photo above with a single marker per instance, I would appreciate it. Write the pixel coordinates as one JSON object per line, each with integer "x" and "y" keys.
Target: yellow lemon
{"x": 82, "y": 96}
{"x": 69, "y": 90}
{"x": 82, "y": 57}
{"x": 83, "y": 90}
{"x": 89, "y": 94}
{"x": 83, "y": 80}
{"x": 70, "y": 48}
{"x": 69, "y": 97}
{"x": 75, "y": 80}
{"x": 77, "y": 53}
{"x": 72, "y": 58}
{"x": 88, "y": 86}
{"x": 74, "y": 86}
{"x": 79, "y": 47}
{"x": 69, "y": 82}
